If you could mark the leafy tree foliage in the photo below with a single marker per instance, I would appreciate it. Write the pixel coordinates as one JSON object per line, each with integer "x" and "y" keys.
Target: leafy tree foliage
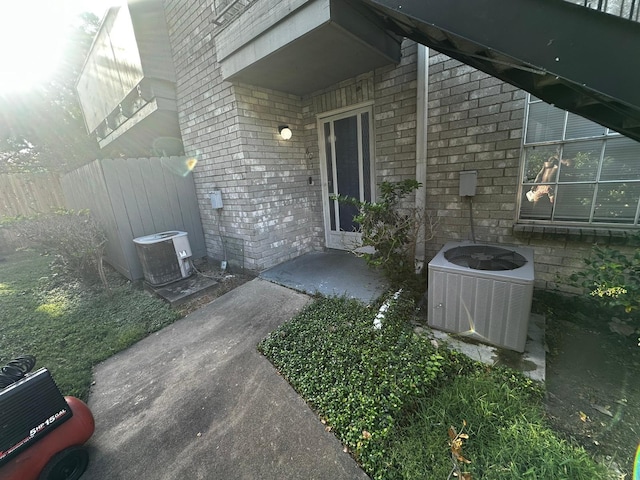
{"x": 43, "y": 129}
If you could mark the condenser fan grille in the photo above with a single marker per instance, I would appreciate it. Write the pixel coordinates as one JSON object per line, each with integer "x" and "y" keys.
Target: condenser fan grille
{"x": 485, "y": 257}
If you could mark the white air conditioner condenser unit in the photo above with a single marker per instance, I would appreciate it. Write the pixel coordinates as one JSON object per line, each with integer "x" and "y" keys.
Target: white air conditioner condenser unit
{"x": 483, "y": 292}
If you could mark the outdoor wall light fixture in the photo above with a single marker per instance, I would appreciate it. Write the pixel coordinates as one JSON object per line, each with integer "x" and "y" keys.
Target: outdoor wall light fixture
{"x": 285, "y": 132}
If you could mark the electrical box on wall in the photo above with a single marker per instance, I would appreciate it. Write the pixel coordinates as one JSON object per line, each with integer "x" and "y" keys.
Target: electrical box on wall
{"x": 468, "y": 183}
{"x": 216, "y": 199}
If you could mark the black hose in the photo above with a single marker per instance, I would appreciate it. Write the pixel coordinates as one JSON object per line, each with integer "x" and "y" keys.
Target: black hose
{"x": 16, "y": 369}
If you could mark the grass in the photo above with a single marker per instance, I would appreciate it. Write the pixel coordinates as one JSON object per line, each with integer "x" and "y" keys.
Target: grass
{"x": 391, "y": 397}
{"x": 67, "y": 326}
{"x": 508, "y": 436}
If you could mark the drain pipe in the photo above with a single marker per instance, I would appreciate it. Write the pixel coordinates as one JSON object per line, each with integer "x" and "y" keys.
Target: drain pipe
{"x": 422, "y": 97}
{"x": 217, "y": 204}
{"x": 223, "y": 264}
{"x": 377, "y": 322}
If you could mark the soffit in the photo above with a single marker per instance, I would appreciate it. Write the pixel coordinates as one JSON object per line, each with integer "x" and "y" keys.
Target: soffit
{"x": 310, "y": 48}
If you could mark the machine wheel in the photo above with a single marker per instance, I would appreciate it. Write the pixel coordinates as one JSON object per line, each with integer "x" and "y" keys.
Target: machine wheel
{"x": 69, "y": 464}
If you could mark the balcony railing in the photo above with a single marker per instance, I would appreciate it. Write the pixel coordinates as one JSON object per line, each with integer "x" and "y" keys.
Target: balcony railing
{"x": 225, "y": 11}
{"x": 629, "y": 9}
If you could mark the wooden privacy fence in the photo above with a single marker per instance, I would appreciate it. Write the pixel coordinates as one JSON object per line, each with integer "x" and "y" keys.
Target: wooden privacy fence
{"x": 136, "y": 197}
{"x": 29, "y": 193}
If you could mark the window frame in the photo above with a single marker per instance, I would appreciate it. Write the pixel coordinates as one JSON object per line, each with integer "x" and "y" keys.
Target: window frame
{"x": 524, "y": 184}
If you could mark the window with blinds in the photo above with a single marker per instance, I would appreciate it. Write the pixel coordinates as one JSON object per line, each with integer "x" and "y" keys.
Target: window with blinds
{"x": 576, "y": 171}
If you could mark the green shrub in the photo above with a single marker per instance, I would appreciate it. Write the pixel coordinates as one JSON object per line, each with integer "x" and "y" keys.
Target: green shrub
{"x": 74, "y": 237}
{"x": 8, "y": 240}
{"x": 392, "y": 232}
{"x": 611, "y": 277}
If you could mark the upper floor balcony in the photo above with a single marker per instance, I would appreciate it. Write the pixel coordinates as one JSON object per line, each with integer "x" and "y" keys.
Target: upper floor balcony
{"x": 126, "y": 87}
{"x": 299, "y": 46}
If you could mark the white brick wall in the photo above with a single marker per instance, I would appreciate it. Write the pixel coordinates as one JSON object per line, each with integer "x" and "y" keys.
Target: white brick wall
{"x": 269, "y": 205}
{"x": 475, "y": 122}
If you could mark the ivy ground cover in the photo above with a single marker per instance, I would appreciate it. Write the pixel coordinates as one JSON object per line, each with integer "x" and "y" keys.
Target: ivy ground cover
{"x": 408, "y": 408}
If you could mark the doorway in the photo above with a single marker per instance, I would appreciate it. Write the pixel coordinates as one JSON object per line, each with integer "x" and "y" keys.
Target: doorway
{"x": 346, "y": 166}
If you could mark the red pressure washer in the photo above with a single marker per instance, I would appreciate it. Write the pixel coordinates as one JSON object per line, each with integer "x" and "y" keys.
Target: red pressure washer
{"x": 41, "y": 432}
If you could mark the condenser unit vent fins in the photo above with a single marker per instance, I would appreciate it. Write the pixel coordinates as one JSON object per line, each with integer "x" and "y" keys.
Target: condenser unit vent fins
{"x": 165, "y": 257}
{"x": 483, "y": 292}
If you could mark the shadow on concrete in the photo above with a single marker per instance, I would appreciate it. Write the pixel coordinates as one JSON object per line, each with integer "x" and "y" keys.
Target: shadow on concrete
{"x": 198, "y": 401}
{"x": 329, "y": 273}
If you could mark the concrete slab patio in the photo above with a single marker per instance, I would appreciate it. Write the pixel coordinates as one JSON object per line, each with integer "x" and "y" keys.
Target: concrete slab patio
{"x": 197, "y": 401}
{"x": 329, "y": 273}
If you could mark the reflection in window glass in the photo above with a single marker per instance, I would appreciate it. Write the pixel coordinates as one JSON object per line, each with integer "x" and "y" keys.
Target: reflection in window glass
{"x": 621, "y": 160}
{"x": 580, "y": 161}
{"x": 574, "y": 202}
{"x": 535, "y": 159}
{"x": 617, "y": 202}
{"x": 569, "y": 176}
{"x": 580, "y": 127}
{"x": 536, "y": 206}
{"x": 546, "y": 123}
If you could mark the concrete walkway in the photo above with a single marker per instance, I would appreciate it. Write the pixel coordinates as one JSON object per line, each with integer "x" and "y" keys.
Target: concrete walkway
{"x": 197, "y": 401}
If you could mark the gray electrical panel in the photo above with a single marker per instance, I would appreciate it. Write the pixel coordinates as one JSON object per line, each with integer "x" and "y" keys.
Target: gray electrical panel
{"x": 216, "y": 199}
{"x": 468, "y": 183}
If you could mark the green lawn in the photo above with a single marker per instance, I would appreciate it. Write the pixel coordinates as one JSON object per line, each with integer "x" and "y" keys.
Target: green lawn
{"x": 393, "y": 397}
{"x": 67, "y": 326}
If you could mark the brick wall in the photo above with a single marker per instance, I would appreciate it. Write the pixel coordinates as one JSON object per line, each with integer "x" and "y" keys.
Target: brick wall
{"x": 395, "y": 115}
{"x": 392, "y": 89}
{"x": 207, "y": 112}
{"x": 273, "y": 212}
{"x": 475, "y": 122}
{"x": 270, "y": 187}
{"x": 233, "y": 132}
{"x": 282, "y": 215}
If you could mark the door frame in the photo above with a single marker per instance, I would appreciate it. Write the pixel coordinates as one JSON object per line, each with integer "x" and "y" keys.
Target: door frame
{"x": 344, "y": 240}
